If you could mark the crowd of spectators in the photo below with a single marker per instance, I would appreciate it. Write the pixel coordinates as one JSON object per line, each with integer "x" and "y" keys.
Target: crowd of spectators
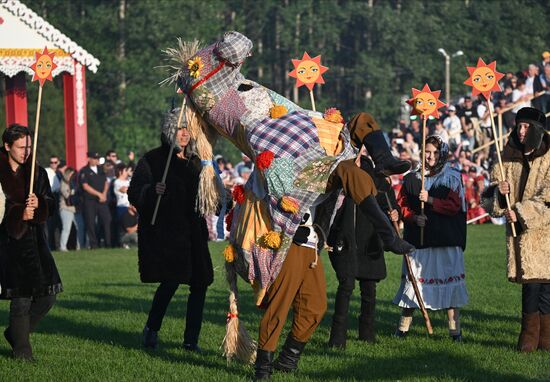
{"x": 466, "y": 126}
{"x": 94, "y": 210}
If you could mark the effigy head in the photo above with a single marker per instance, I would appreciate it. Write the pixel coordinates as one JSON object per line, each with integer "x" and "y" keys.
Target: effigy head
{"x": 212, "y": 71}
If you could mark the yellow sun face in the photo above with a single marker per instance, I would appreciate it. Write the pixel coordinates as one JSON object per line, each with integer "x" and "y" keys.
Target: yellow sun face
{"x": 308, "y": 72}
{"x": 43, "y": 66}
{"x": 483, "y": 79}
{"x": 425, "y": 103}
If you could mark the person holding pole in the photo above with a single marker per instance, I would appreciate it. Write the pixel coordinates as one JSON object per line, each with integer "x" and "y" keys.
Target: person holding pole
{"x": 438, "y": 263}
{"x": 28, "y": 274}
{"x": 526, "y": 168}
{"x": 174, "y": 250}
{"x": 356, "y": 253}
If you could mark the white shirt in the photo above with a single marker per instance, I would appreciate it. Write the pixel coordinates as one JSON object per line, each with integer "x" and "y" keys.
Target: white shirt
{"x": 454, "y": 127}
{"x": 481, "y": 109}
{"x": 516, "y": 95}
{"x": 93, "y": 168}
{"x": 54, "y": 180}
{"x": 121, "y": 197}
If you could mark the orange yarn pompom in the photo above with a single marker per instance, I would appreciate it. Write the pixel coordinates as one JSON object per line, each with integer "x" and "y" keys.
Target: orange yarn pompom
{"x": 229, "y": 253}
{"x": 332, "y": 114}
{"x": 271, "y": 240}
{"x": 278, "y": 111}
{"x": 289, "y": 204}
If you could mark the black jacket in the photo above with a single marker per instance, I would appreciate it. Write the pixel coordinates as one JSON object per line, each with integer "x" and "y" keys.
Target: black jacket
{"x": 27, "y": 268}
{"x": 176, "y": 247}
{"x": 357, "y": 249}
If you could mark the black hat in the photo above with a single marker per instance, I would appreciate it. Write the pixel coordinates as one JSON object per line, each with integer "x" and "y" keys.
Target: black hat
{"x": 532, "y": 116}
{"x": 93, "y": 154}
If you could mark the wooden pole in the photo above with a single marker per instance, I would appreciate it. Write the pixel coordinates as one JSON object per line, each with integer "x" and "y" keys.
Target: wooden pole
{"x": 169, "y": 159}
{"x": 312, "y": 100}
{"x": 35, "y": 139}
{"x": 497, "y": 147}
{"x": 489, "y": 143}
{"x": 423, "y": 174}
{"x": 412, "y": 278}
{"x": 500, "y": 130}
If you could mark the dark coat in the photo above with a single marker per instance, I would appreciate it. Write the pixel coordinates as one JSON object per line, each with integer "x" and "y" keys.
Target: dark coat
{"x": 357, "y": 249}
{"x": 442, "y": 230}
{"x": 176, "y": 248}
{"x": 27, "y": 268}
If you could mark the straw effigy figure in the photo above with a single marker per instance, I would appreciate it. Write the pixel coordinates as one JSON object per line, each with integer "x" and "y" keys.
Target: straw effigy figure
{"x": 301, "y": 158}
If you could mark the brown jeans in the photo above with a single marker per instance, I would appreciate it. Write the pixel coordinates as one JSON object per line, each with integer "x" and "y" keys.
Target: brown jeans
{"x": 348, "y": 176}
{"x": 301, "y": 287}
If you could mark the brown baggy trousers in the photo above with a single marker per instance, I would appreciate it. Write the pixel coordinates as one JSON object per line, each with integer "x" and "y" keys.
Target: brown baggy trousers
{"x": 301, "y": 287}
{"x": 297, "y": 284}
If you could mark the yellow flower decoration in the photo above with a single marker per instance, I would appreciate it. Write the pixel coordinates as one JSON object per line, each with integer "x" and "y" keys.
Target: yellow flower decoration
{"x": 289, "y": 204}
{"x": 278, "y": 111}
{"x": 271, "y": 240}
{"x": 229, "y": 253}
{"x": 195, "y": 66}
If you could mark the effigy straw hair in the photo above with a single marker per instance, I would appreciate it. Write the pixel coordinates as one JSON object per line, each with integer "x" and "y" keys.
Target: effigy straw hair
{"x": 205, "y": 138}
{"x": 237, "y": 343}
{"x": 177, "y": 57}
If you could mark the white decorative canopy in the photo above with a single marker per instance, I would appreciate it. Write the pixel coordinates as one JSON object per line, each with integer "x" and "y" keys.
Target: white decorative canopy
{"x": 23, "y": 32}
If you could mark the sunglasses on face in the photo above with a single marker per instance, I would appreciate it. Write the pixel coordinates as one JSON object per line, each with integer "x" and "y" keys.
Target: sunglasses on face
{"x": 54, "y": 162}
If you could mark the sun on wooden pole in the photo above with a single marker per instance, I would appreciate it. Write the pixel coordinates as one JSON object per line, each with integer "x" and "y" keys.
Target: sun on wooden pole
{"x": 424, "y": 103}
{"x": 423, "y": 177}
{"x": 484, "y": 79}
{"x": 42, "y": 67}
{"x": 308, "y": 71}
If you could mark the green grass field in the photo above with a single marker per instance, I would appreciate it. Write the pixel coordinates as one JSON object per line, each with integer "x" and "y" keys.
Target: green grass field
{"x": 94, "y": 331}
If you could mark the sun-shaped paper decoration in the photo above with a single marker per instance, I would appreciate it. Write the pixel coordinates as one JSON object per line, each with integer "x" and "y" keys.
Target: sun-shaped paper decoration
{"x": 43, "y": 66}
{"x": 425, "y": 102}
{"x": 483, "y": 78}
{"x": 308, "y": 71}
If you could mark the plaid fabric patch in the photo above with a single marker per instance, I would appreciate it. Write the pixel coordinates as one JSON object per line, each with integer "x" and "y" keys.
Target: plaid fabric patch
{"x": 288, "y": 136}
{"x": 234, "y": 48}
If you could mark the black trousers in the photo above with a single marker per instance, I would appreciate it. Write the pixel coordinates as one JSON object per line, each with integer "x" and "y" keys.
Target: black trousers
{"x": 195, "y": 307}
{"x": 535, "y": 297}
{"x": 93, "y": 209}
{"x": 33, "y": 308}
{"x": 343, "y": 296}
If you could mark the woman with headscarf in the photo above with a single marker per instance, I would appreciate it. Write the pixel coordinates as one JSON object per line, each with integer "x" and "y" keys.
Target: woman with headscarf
{"x": 437, "y": 263}
{"x": 174, "y": 250}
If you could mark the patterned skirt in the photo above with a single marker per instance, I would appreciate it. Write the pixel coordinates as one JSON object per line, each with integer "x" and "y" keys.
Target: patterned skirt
{"x": 440, "y": 277}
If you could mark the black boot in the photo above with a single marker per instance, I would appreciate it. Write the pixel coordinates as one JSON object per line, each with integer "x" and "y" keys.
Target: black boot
{"x": 338, "y": 331}
{"x": 289, "y": 355}
{"x": 7, "y": 336}
{"x": 368, "y": 304}
{"x": 264, "y": 364}
{"x": 149, "y": 338}
{"x": 381, "y": 155}
{"x": 370, "y": 208}
{"x": 19, "y": 332}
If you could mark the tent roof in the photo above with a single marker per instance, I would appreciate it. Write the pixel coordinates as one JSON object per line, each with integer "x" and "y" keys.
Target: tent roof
{"x": 23, "y": 32}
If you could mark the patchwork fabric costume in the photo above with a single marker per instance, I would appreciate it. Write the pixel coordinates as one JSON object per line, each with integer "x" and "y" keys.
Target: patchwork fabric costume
{"x": 301, "y": 158}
